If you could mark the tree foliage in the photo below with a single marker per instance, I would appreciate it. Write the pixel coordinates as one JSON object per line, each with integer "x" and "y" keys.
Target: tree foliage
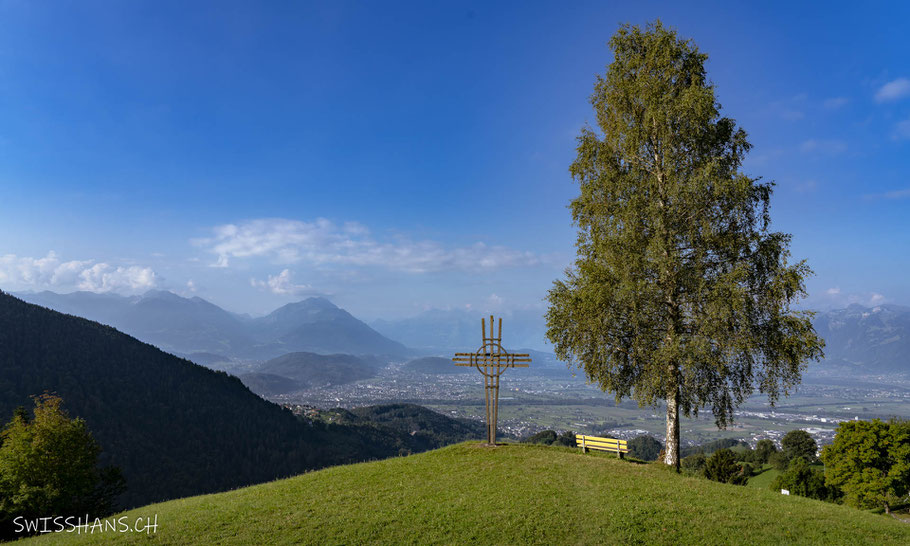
{"x": 799, "y": 443}
{"x": 805, "y": 481}
{"x": 680, "y": 291}
{"x": 49, "y": 466}
{"x": 567, "y": 439}
{"x": 546, "y": 437}
{"x": 645, "y": 447}
{"x": 694, "y": 463}
{"x": 722, "y": 467}
{"x": 870, "y": 462}
{"x": 763, "y": 450}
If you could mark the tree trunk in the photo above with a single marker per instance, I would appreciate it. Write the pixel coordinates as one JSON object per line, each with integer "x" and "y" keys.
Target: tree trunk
{"x": 671, "y": 450}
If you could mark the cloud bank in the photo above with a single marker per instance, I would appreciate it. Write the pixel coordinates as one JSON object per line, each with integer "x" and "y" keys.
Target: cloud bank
{"x": 323, "y": 242}
{"x": 49, "y": 272}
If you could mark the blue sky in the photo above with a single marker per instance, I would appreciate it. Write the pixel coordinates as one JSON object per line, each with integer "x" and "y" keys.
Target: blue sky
{"x": 406, "y": 156}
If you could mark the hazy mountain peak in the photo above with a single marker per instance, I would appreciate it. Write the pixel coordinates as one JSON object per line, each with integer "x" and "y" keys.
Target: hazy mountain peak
{"x": 317, "y": 302}
{"x": 162, "y": 295}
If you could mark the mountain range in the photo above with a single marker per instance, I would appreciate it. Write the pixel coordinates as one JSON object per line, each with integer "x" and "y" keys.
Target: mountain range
{"x": 194, "y": 326}
{"x": 866, "y": 339}
{"x": 860, "y": 340}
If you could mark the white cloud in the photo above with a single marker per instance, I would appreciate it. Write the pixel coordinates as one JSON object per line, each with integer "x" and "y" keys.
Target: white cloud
{"x": 893, "y": 90}
{"x": 24, "y": 272}
{"x": 321, "y": 242}
{"x": 833, "y": 291}
{"x": 103, "y": 277}
{"x": 831, "y": 146}
{"x": 835, "y": 102}
{"x": 282, "y": 284}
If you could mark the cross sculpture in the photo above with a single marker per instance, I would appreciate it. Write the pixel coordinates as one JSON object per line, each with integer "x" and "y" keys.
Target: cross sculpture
{"x": 491, "y": 360}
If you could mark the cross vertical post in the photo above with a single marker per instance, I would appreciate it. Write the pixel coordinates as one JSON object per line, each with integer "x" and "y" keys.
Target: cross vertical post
{"x": 491, "y": 360}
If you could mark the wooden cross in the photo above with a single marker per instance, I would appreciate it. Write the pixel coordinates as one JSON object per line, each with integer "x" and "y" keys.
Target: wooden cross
{"x": 491, "y": 360}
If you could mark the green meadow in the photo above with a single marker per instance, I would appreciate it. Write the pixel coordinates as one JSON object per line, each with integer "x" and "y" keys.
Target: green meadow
{"x": 511, "y": 494}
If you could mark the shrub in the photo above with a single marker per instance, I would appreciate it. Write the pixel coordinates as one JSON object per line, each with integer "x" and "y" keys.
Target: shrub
{"x": 567, "y": 439}
{"x": 805, "y": 481}
{"x": 645, "y": 447}
{"x": 763, "y": 451}
{"x": 722, "y": 467}
{"x": 779, "y": 460}
{"x": 694, "y": 464}
{"x": 545, "y": 437}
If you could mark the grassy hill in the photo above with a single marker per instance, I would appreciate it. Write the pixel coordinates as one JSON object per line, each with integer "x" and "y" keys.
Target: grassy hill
{"x": 513, "y": 494}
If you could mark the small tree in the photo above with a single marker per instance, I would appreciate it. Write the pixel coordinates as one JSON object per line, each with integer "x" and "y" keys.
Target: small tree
{"x": 805, "y": 481}
{"x": 799, "y": 443}
{"x": 680, "y": 292}
{"x": 567, "y": 439}
{"x": 870, "y": 462}
{"x": 763, "y": 451}
{"x": 722, "y": 467}
{"x": 545, "y": 437}
{"x": 49, "y": 466}
{"x": 779, "y": 460}
{"x": 695, "y": 463}
{"x": 645, "y": 447}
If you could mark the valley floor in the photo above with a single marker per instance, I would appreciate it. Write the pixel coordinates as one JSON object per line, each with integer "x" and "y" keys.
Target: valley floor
{"x": 512, "y": 494}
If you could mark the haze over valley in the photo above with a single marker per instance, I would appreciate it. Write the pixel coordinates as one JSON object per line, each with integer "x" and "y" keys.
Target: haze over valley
{"x": 332, "y": 359}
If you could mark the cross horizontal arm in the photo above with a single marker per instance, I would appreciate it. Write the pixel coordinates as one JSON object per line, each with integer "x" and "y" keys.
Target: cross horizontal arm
{"x": 488, "y": 359}
{"x": 523, "y": 355}
{"x": 500, "y": 365}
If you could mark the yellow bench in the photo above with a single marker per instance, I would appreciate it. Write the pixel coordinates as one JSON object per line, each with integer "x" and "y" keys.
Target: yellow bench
{"x": 603, "y": 444}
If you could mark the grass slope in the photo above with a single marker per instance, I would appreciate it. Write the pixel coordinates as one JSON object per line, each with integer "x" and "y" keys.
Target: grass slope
{"x": 765, "y": 476}
{"x": 513, "y": 494}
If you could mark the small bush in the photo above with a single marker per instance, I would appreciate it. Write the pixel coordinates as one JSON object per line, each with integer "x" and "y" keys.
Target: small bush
{"x": 567, "y": 439}
{"x": 779, "y": 460}
{"x": 545, "y": 437}
{"x": 694, "y": 464}
{"x": 645, "y": 447}
{"x": 763, "y": 451}
{"x": 722, "y": 467}
{"x": 805, "y": 481}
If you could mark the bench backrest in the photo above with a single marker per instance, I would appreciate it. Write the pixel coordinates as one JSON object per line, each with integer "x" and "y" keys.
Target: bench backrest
{"x": 604, "y": 444}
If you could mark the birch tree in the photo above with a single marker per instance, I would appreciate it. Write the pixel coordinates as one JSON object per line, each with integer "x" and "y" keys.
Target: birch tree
{"x": 680, "y": 293}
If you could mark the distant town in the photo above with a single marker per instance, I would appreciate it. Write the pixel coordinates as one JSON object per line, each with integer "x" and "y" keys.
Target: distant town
{"x": 535, "y": 400}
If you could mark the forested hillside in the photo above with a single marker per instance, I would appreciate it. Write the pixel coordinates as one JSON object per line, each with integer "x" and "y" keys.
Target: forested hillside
{"x": 174, "y": 427}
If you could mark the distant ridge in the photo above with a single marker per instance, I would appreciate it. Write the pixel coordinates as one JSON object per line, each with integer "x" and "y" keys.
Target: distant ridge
{"x": 194, "y": 325}
{"x": 301, "y": 370}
